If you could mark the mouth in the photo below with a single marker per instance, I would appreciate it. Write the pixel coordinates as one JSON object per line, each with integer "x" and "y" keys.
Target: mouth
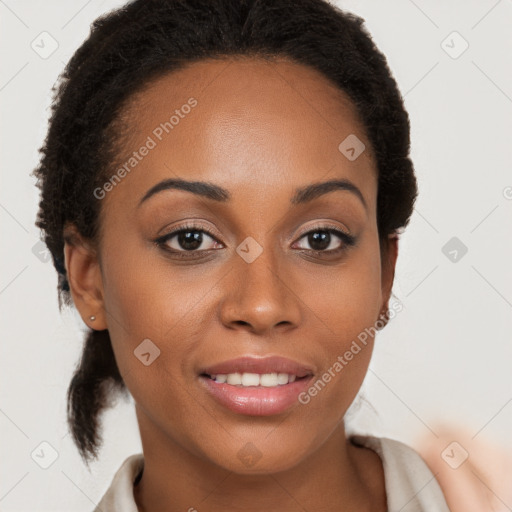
{"x": 255, "y": 394}
{"x": 256, "y": 386}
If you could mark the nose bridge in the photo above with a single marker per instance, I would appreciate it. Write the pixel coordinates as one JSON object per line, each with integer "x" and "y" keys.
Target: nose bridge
{"x": 260, "y": 296}
{"x": 260, "y": 268}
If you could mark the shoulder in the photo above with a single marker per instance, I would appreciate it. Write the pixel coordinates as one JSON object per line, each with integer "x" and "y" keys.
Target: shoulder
{"x": 410, "y": 485}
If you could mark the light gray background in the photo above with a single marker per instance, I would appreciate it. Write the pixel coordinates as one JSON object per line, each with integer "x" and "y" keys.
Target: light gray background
{"x": 446, "y": 357}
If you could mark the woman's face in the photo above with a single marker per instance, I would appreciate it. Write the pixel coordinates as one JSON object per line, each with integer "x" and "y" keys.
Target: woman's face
{"x": 258, "y": 274}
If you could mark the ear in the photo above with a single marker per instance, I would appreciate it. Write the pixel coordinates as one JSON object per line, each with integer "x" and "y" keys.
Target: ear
{"x": 389, "y": 257}
{"x": 84, "y": 276}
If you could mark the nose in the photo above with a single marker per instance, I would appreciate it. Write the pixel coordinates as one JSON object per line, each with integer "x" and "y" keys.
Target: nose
{"x": 259, "y": 296}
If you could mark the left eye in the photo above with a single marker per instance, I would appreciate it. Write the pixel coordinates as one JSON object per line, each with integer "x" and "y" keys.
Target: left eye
{"x": 322, "y": 240}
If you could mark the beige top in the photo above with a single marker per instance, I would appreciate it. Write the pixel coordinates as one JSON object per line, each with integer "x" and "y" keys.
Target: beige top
{"x": 410, "y": 485}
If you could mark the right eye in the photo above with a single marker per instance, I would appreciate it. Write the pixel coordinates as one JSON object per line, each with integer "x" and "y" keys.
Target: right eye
{"x": 187, "y": 239}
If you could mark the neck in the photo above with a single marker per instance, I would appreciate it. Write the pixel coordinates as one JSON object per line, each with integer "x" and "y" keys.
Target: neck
{"x": 337, "y": 477}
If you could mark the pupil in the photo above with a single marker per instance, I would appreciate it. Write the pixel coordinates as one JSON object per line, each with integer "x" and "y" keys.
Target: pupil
{"x": 321, "y": 239}
{"x": 190, "y": 240}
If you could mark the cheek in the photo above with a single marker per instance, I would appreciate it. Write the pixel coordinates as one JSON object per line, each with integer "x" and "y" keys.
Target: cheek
{"x": 146, "y": 294}
{"x": 146, "y": 300}
{"x": 347, "y": 298}
{"x": 346, "y": 306}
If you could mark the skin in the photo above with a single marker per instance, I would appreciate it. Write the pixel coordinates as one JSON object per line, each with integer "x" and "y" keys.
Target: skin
{"x": 481, "y": 471}
{"x": 260, "y": 130}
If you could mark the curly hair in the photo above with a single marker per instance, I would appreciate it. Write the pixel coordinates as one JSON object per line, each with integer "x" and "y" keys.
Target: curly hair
{"x": 128, "y": 48}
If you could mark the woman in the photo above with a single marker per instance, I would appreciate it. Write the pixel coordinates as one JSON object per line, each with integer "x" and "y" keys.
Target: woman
{"x": 223, "y": 185}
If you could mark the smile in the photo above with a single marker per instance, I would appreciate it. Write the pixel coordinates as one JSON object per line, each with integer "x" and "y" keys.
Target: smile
{"x": 254, "y": 379}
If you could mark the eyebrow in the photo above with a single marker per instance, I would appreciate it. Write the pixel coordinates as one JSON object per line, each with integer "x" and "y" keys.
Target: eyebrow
{"x": 210, "y": 191}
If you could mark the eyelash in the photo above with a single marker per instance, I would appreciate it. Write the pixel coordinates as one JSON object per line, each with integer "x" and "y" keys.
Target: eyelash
{"x": 348, "y": 240}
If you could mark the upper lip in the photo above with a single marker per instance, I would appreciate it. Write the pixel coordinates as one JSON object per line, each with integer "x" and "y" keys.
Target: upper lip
{"x": 251, "y": 364}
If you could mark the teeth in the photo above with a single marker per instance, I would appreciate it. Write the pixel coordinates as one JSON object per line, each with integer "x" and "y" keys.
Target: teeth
{"x": 250, "y": 379}
{"x": 235, "y": 379}
{"x": 255, "y": 379}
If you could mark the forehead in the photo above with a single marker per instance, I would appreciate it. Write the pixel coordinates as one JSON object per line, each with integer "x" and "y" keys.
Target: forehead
{"x": 247, "y": 124}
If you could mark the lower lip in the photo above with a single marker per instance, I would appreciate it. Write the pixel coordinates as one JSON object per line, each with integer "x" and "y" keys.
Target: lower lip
{"x": 256, "y": 401}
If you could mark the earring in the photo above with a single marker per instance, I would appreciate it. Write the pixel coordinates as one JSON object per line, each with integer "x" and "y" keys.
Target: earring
{"x": 92, "y": 318}
{"x": 384, "y": 318}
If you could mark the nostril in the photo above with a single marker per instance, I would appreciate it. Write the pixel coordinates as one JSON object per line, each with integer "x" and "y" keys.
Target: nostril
{"x": 241, "y": 322}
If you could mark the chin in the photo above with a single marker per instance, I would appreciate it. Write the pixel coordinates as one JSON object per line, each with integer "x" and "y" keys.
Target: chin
{"x": 259, "y": 456}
